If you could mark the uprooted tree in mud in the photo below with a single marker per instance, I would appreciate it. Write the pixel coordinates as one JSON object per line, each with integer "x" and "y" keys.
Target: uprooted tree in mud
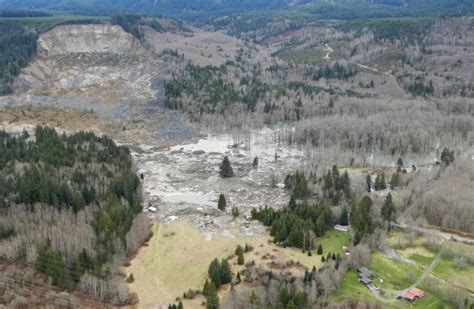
{"x": 226, "y": 169}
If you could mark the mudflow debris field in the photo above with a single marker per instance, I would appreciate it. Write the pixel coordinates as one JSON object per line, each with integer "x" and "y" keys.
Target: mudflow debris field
{"x": 184, "y": 182}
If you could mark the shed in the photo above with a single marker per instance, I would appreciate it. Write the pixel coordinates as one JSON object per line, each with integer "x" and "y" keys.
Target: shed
{"x": 365, "y": 272}
{"x": 365, "y": 280}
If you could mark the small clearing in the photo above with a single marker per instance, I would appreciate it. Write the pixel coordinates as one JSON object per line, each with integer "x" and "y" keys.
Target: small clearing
{"x": 328, "y": 51}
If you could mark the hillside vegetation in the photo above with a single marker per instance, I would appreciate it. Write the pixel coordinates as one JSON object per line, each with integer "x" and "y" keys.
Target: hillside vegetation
{"x": 68, "y": 205}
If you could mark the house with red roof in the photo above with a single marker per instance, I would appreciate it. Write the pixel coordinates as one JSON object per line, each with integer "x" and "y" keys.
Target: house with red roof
{"x": 413, "y": 294}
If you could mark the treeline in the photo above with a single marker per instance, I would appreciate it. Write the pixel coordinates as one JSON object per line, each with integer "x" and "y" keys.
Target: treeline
{"x": 335, "y": 71}
{"x": 9, "y": 13}
{"x": 135, "y": 24}
{"x": 391, "y": 29}
{"x": 354, "y": 9}
{"x": 17, "y": 47}
{"x": 51, "y": 157}
{"x": 80, "y": 174}
{"x": 419, "y": 88}
{"x": 296, "y": 224}
{"x": 361, "y": 219}
{"x": 130, "y": 23}
{"x": 210, "y": 92}
{"x": 395, "y": 133}
{"x": 334, "y": 185}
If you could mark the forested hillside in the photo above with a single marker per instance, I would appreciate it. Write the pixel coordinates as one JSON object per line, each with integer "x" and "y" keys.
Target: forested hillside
{"x": 161, "y": 7}
{"x": 202, "y": 9}
{"x": 70, "y": 205}
{"x": 17, "y": 46}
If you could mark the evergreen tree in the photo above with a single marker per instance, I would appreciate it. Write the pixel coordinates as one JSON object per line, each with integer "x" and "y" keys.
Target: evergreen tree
{"x": 52, "y": 265}
{"x": 320, "y": 249}
{"x": 235, "y": 212}
{"x": 447, "y": 156}
{"x": 357, "y": 238}
{"x": 328, "y": 181}
{"x": 240, "y": 255}
{"x": 180, "y": 305}
{"x": 388, "y": 208}
{"x": 212, "y": 299}
{"x": 399, "y": 165}
{"x": 383, "y": 184}
{"x": 239, "y": 250}
{"x": 346, "y": 184}
{"x": 214, "y": 272}
{"x": 369, "y": 183}
{"x": 226, "y": 273}
{"x": 226, "y": 170}
{"x": 323, "y": 259}
{"x": 292, "y": 204}
{"x": 394, "y": 181}
{"x": 221, "y": 204}
{"x": 361, "y": 219}
{"x": 344, "y": 220}
{"x": 205, "y": 289}
{"x": 380, "y": 182}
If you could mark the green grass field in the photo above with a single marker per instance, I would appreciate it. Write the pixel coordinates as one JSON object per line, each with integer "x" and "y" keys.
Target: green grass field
{"x": 351, "y": 288}
{"x": 418, "y": 249}
{"x": 396, "y": 276}
{"x": 460, "y": 273}
{"x": 430, "y": 300}
{"x": 332, "y": 241}
{"x": 314, "y": 56}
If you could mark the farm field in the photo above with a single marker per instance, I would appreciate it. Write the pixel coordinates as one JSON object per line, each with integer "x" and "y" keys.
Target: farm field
{"x": 397, "y": 275}
{"x": 448, "y": 273}
{"x": 181, "y": 246}
{"x": 454, "y": 265}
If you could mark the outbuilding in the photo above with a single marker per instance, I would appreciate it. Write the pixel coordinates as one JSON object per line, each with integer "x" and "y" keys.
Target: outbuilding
{"x": 365, "y": 272}
{"x": 365, "y": 280}
{"x": 413, "y": 294}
